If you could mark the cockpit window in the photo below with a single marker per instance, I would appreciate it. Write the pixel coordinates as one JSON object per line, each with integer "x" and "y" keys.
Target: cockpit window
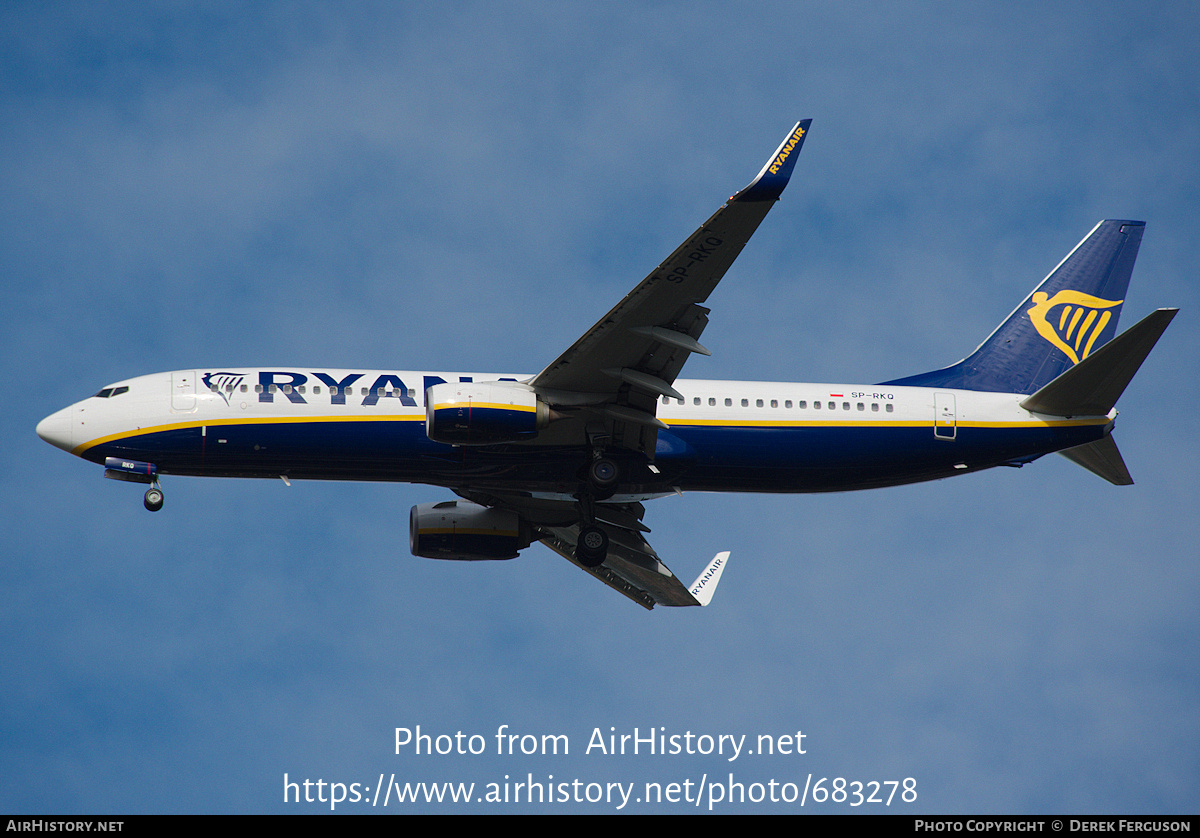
{"x": 109, "y": 392}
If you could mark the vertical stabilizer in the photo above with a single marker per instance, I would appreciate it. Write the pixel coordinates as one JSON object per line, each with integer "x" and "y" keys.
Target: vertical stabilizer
{"x": 1072, "y": 313}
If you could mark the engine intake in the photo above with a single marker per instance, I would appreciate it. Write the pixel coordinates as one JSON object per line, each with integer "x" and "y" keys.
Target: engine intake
{"x": 463, "y": 531}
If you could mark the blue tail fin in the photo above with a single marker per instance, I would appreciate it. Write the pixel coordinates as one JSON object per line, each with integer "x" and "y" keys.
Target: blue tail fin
{"x": 1070, "y": 315}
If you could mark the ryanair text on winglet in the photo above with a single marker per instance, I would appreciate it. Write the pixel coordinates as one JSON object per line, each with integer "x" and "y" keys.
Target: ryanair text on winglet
{"x": 787, "y": 149}
{"x": 706, "y": 577}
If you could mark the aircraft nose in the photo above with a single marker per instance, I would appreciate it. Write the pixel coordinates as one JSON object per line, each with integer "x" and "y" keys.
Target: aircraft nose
{"x": 56, "y": 429}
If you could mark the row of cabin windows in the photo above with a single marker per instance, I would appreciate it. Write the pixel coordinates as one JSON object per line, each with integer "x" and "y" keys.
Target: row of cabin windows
{"x": 802, "y": 404}
{"x": 303, "y": 388}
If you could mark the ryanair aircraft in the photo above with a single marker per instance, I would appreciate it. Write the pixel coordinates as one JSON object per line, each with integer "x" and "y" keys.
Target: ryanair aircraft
{"x": 568, "y": 456}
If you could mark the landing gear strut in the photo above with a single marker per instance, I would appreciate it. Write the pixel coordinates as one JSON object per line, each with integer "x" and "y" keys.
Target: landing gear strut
{"x": 592, "y": 547}
{"x": 601, "y": 476}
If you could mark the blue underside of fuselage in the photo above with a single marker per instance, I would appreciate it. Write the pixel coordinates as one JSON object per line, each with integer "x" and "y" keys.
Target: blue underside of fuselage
{"x": 691, "y": 458}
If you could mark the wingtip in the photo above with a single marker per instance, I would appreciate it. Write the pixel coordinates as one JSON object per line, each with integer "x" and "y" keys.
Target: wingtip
{"x": 769, "y": 184}
{"x": 705, "y": 586}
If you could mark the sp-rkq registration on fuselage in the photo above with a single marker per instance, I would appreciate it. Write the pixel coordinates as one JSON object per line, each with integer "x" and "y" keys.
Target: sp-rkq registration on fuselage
{"x": 568, "y": 456}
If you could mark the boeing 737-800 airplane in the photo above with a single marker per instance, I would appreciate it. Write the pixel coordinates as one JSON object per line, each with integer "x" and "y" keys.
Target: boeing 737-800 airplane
{"x": 568, "y": 456}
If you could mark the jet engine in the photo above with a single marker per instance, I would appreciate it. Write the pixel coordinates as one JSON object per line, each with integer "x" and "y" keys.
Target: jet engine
{"x": 463, "y": 531}
{"x": 483, "y": 413}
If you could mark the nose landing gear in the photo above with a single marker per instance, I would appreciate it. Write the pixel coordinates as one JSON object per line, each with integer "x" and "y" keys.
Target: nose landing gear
{"x": 135, "y": 471}
{"x": 154, "y": 498}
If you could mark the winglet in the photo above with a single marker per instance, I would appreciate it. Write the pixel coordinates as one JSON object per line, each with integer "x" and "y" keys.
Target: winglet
{"x": 768, "y": 186}
{"x": 706, "y": 583}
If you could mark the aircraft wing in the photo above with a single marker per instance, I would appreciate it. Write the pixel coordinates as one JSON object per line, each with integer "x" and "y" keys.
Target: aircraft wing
{"x": 610, "y": 381}
{"x": 618, "y": 369}
{"x": 631, "y": 567}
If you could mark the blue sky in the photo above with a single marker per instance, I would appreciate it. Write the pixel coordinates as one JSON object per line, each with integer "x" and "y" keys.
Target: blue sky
{"x": 469, "y": 187}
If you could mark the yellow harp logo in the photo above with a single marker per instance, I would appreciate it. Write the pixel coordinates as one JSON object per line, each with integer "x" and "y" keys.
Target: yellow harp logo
{"x": 1075, "y": 326}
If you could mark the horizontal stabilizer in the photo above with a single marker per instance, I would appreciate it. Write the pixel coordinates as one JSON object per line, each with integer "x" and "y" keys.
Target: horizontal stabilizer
{"x": 1102, "y": 458}
{"x": 1092, "y": 387}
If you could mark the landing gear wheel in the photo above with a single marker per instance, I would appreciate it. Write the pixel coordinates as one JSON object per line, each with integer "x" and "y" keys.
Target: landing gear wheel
{"x": 153, "y": 499}
{"x": 603, "y": 473}
{"x": 592, "y": 547}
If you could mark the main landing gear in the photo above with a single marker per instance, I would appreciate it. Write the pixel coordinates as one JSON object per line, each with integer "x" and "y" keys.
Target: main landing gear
{"x": 602, "y": 475}
{"x": 592, "y": 547}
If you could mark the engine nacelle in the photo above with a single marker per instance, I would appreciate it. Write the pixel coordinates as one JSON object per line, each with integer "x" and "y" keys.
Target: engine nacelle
{"x": 463, "y": 531}
{"x": 483, "y": 413}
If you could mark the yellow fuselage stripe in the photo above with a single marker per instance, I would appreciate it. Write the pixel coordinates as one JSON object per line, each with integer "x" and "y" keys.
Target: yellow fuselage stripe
{"x": 721, "y": 423}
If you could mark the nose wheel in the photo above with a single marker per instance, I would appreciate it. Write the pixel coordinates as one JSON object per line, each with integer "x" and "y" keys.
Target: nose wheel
{"x": 154, "y": 499}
